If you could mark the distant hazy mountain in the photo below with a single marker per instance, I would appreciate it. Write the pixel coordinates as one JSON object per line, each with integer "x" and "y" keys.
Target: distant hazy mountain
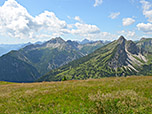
{"x": 85, "y": 41}
{"x": 119, "y": 58}
{"x": 32, "y": 61}
{"x": 145, "y": 43}
{"x": 5, "y": 48}
{"x": 90, "y": 47}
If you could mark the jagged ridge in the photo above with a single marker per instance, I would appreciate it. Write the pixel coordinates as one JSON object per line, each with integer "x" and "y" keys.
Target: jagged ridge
{"x": 119, "y": 58}
{"x": 35, "y": 60}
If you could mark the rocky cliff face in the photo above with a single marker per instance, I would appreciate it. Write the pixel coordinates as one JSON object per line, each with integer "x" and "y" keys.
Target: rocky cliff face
{"x": 119, "y": 54}
{"x": 132, "y": 48}
{"x": 127, "y": 54}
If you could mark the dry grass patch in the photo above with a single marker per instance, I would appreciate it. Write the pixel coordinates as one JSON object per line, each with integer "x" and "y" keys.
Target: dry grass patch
{"x": 107, "y": 95}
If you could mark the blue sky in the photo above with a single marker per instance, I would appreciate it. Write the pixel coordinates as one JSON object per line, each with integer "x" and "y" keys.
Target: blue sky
{"x": 31, "y": 20}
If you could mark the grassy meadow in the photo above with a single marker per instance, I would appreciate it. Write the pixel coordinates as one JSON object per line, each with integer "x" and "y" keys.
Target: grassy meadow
{"x": 125, "y": 95}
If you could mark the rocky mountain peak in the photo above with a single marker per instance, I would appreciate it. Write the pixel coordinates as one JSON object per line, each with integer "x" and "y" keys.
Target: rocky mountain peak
{"x": 121, "y": 40}
{"x": 122, "y": 52}
{"x": 73, "y": 44}
{"x": 56, "y": 40}
{"x": 85, "y": 41}
{"x": 119, "y": 55}
{"x": 142, "y": 39}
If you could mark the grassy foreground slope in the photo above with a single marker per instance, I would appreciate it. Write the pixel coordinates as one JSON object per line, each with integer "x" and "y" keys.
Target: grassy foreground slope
{"x": 108, "y": 95}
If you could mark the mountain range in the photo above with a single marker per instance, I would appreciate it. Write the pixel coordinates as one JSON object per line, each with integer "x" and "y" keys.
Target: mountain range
{"x": 119, "y": 58}
{"x": 86, "y": 41}
{"x": 145, "y": 43}
{"x": 5, "y": 48}
{"x": 29, "y": 63}
{"x": 57, "y": 59}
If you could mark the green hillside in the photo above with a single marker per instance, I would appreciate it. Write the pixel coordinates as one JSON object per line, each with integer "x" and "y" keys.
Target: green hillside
{"x": 90, "y": 47}
{"x": 145, "y": 43}
{"x": 13, "y": 69}
{"x": 118, "y": 58}
{"x": 130, "y": 95}
{"x": 35, "y": 60}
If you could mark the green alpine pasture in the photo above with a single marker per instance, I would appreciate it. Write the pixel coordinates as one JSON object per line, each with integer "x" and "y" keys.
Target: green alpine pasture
{"x": 115, "y": 95}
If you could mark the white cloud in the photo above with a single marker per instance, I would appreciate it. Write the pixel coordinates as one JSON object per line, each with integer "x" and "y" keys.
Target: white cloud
{"x": 147, "y": 11}
{"x": 14, "y": 19}
{"x": 77, "y": 18}
{"x": 127, "y": 21}
{"x": 17, "y": 22}
{"x": 128, "y": 34}
{"x": 82, "y": 29}
{"x": 49, "y": 21}
{"x": 43, "y": 36}
{"x": 114, "y": 15}
{"x": 146, "y": 28}
{"x": 97, "y": 3}
{"x": 91, "y": 32}
{"x": 106, "y": 36}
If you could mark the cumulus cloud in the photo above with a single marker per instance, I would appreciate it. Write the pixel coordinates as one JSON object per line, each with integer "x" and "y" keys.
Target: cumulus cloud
{"x": 49, "y": 21}
{"x": 147, "y": 9}
{"x": 17, "y": 22}
{"x": 91, "y": 32}
{"x": 14, "y": 19}
{"x": 83, "y": 29}
{"x": 105, "y": 36}
{"x": 77, "y": 18}
{"x": 127, "y": 21}
{"x": 147, "y": 12}
{"x": 146, "y": 28}
{"x": 114, "y": 15}
{"x": 128, "y": 34}
{"x": 100, "y": 36}
{"x": 97, "y": 3}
